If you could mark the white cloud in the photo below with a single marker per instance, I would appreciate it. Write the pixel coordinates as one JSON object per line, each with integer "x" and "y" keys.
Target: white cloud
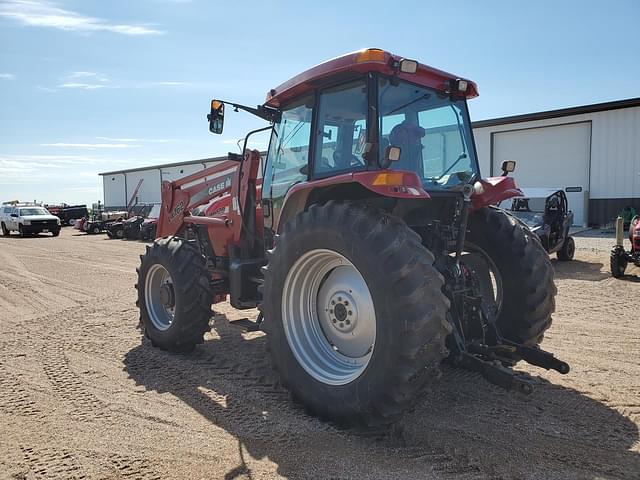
{"x": 7, "y": 76}
{"x": 45, "y": 13}
{"x": 164, "y": 84}
{"x": 86, "y": 81}
{"x": 83, "y": 86}
{"x": 141, "y": 140}
{"x": 90, "y": 146}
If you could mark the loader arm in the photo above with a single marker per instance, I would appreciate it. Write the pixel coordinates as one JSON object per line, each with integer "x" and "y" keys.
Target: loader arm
{"x": 235, "y": 180}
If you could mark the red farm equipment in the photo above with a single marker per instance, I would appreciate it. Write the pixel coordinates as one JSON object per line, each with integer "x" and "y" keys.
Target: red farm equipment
{"x": 366, "y": 238}
{"x": 620, "y": 257}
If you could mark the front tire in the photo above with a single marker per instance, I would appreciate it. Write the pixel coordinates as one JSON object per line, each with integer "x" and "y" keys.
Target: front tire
{"x": 527, "y": 300}
{"x": 370, "y": 371}
{"x": 618, "y": 262}
{"x": 568, "y": 250}
{"x": 5, "y": 231}
{"x": 174, "y": 295}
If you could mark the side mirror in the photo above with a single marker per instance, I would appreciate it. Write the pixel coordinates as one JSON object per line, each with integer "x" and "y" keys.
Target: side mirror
{"x": 391, "y": 154}
{"x": 216, "y": 117}
{"x": 14, "y": 215}
{"x": 508, "y": 166}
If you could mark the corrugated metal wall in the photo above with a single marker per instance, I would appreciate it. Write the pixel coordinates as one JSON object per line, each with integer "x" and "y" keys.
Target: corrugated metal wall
{"x": 614, "y": 176}
{"x": 114, "y": 190}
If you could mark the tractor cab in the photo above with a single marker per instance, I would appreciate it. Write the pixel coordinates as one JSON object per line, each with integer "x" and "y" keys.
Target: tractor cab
{"x": 352, "y": 119}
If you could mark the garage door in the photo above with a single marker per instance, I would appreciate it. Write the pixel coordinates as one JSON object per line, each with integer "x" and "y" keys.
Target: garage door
{"x": 550, "y": 157}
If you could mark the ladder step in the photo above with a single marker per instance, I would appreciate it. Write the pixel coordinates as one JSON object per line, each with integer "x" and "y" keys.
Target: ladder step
{"x": 245, "y": 324}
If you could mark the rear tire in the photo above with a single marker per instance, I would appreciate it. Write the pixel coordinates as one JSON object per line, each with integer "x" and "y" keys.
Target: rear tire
{"x": 119, "y": 233}
{"x": 402, "y": 298}
{"x": 95, "y": 229}
{"x": 5, "y": 231}
{"x": 568, "y": 250}
{"x": 174, "y": 295}
{"x": 618, "y": 262}
{"x": 528, "y": 298}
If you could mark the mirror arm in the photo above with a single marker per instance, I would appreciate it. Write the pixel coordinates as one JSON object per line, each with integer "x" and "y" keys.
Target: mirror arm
{"x": 266, "y": 113}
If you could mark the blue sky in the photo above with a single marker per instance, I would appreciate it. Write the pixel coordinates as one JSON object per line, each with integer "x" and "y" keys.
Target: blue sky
{"x": 92, "y": 85}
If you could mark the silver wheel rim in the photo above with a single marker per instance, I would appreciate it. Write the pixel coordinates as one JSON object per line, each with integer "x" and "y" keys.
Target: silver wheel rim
{"x": 159, "y": 297}
{"x": 328, "y": 317}
{"x": 497, "y": 288}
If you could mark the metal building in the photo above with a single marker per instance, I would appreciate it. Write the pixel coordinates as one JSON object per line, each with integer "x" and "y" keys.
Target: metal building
{"x": 592, "y": 152}
{"x": 119, "y": 186}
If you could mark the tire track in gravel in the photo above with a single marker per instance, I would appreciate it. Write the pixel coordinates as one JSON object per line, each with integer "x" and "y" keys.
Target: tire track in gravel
{"x": 132, "y": 468}
{"x": 76, "y": 398}
{"x": 15, "y": 399}
{"x": 52, "y": 463}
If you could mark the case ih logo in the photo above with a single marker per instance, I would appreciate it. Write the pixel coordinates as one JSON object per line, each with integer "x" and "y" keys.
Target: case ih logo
{"x": 219, "y": 186}
{"x": 176, "y": 211}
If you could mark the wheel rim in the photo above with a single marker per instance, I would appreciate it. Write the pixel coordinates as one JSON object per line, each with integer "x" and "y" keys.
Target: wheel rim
{"x": 492, "y": 290}
{"x": 159, "y": 297}
{"x": 328, "y": 317}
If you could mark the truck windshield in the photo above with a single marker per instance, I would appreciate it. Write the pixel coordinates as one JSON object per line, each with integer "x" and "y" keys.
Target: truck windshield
{"x": 25, "y": 212}
{"x": 432, "y": 131}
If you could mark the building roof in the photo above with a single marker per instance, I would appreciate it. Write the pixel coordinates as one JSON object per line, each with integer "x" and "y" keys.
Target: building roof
{"x": 165, "y": 165}
{"x": 563, "y": 112}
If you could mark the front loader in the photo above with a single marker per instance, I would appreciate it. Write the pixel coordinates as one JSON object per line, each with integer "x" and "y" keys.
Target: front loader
{"x": 366, "y": 238}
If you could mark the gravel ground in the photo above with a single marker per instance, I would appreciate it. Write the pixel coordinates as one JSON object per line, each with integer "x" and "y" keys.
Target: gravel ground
{"x": 82, "y": 396}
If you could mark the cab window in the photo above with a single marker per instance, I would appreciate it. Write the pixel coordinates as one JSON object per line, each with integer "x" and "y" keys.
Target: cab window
{"x": 341, "y": 131}
{"x": 288, "y": 156}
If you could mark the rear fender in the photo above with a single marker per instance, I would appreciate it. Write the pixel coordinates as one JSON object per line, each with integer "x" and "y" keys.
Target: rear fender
{"x": 390, "y": 184}
{"x": 493, "y": 190}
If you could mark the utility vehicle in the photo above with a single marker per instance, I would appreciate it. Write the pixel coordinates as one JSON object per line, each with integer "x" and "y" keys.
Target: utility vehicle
{"x": 546, "y": 212}
{"x": 372, "y": 248}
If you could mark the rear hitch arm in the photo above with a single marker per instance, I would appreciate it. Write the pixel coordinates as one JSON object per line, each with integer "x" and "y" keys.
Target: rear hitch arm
{"x": 494, "y": 372}
{"x": 538, "y": 357}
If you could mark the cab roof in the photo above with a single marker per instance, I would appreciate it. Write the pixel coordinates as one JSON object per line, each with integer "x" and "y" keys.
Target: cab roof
{"x": 361, "y": 62}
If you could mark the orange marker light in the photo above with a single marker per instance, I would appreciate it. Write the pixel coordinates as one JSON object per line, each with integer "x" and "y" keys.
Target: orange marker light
{"x": 370, "y": 55}
{"x": 388, "y": 179}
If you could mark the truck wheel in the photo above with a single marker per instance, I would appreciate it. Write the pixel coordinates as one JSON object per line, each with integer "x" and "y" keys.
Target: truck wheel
{"x": 55, "y": 233}
{"x": 5, "y": 231}
{"x": 174, "y": 295}
{"x": 119, "y": 233}
{"x": 523, "y": 270}
{"x": 618, "y": 262}
{"x": 21, "y": 231}
{"x": 95, "y": 229}
{"x": 567, "y": 251}
{"x": 354, "y": 312}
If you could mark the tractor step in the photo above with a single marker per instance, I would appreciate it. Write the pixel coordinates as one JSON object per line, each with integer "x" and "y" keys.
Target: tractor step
{"x": 246, "y": 324}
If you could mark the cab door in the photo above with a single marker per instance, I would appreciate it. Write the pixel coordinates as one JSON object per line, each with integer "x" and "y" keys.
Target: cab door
{"x": 288, "y": 158}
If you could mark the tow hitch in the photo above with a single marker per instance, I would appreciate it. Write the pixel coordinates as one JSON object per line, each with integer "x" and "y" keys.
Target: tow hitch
{"x": 494, "y": 358}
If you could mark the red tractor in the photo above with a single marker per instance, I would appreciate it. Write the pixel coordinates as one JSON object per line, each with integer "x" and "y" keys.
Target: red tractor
{"x": 620, "y": 258}
{"x": 366, "y": 238}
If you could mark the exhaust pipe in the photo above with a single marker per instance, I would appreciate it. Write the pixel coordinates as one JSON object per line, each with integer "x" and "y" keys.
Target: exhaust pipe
{"x": 619, "y": 232}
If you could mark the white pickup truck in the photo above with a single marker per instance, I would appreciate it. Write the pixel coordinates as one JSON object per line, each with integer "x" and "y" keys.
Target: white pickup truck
{"x": 27, "y": 220}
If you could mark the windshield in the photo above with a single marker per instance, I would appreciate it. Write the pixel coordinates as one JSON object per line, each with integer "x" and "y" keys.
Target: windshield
{"x": 155, "y": 211}
{"x": 432, "y": 131}
{"x": 25, "y": 212}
